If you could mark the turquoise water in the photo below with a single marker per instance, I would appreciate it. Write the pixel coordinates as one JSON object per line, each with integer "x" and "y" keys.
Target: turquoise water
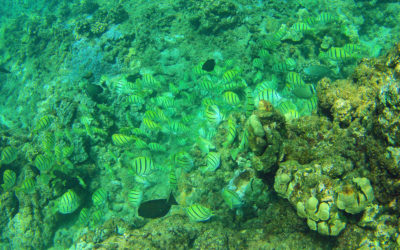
{"x": 199, "y": 124}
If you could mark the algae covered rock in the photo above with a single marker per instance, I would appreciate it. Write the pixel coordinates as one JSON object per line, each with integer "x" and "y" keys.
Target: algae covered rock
{"x": 319, "y": 198}
{"x": 267, "y": 131}
{"x": 354, "y": 198}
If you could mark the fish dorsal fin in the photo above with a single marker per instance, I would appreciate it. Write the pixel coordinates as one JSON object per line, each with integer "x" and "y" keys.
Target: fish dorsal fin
{"x": 171, "y": 200}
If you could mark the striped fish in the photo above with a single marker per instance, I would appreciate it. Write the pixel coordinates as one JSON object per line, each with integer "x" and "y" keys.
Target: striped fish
{"x": 165, "y": 101}
{"x": 301, "y": 27}
{"x": 142, "y": 165}
{"x": 213, "y": 161}
{"x": 48, "y": 142}
{"x": 309, "y": 106}
{"x": 266, "y": 85}
{"x": 8, "y": 155}
{"x": 183, "y": 160}
{"x": 310, "y": 20}
{"x": 135, "y": 100}
{"x": 198, "y": 70}
{"x": 135, "y": 197}
{"x": 292, "y": 114}
{"x": 121, "y": 139}
{"x": 28, "y": 185}
{"x": 213, "y": 115}
{"x": 285, "y": 106}
{"x": 83, "y": 216}
{"x": 43, "y": 123}
{"x": 278, "y": 35}
{"x": 258, "y": 63}
{"x": 176, "y": 127}
{"x": 58, "y": 154}
{"x": 43, "y": 163}
{"x": 270, "y": 43}
{"x": 139, "y": 143}
{"x": 68, "y": 202}
{"x": 231, "y": 198}
{"x": 325, "y": 17}
{"x": 231, "y": 98}
{"x": 249, "y": 107}
{"x": 99, "y": 197}
{"x": 207, "y": 85}
{"x": 97, "y": 216}
{"x": 245, "y": 140}
{"x": 287, "y": 65}
{"x": 264, "y": 54}
{"x": 172, "y": 179}
{"x": 336, "y": 53}
{"x": 294, "y": 79}
{"x": 230, "y": 133}
{"x": 150, "y": 124}
{"x": 269, "y": 95}
{"x": 234, "y": 85}
{"x": 156, "y": 147}
{"x": 9, "y": 178}
{"x": 150, "y": 82}
{"x": 207, "y": 101}
{"x": 352, "y": 48}
{"x": 230, "y": 75}
{"x": 197, "y": 212}
{"x": 67, "y": 151}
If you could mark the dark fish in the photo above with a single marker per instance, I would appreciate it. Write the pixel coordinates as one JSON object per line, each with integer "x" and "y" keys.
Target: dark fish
{"x": 208, "y": 65}
{"x": 156, "y": 208}
{"x": 132, "y": 78}
{"x": 3, "y": 70}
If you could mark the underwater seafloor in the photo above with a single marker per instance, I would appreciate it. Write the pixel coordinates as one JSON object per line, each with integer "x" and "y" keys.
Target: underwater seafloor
{"x": 200, "y": 124}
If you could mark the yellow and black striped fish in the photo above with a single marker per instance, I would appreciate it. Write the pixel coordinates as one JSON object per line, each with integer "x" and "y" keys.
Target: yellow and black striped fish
{"x": 173, "y": 181}
{"x": 43, "y": 123}
{"x": 9, "y": 178}
{"x": 135, "y": 100}
{"x": 326, "y": 17}
{"x": 48, "y": 142}
{"x": 249, "y": 102}
{"x": 213, "y": 115}
{"x": 135, "y": 197}
{"x": 213, "y": 161}
{"x": 139, "y": 143}
{"x": 183, "y": 160}
{"x": 230, "y": 75}
{"x": 68, "y": 202}
{"x": 285, "y": 106}
{"x": 83, "y": 216}
{"x": 208, "y": 85}
{"x": 301, "y": 27}
{"x": 28, "y": 185}
{"x": 197, "y": 212}
{"x": 231, "y": 98}
{"x": 287, "y": 65}
{"x": 99, "y": 197}
{"x": 150, "y": 82}
{"x": 43, "y": 163}
{"x": 336, "y": 53}
{"x": 156, "y": 147}
{"x": 121, "y": 139}
{"x": 231, "y": 133}
{"x": 8, "y": 155}
{"x": 294, "y": 79}
{"x": 150, "y": 124}
{"x": 142, "y": 165}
